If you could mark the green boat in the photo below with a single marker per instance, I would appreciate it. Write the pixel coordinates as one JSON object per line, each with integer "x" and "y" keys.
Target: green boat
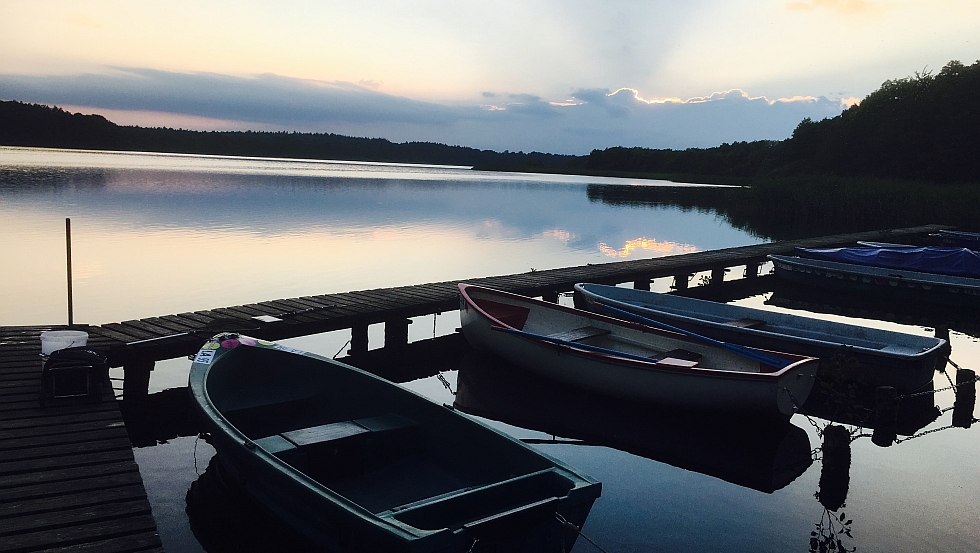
{"x": 355, "y": 463}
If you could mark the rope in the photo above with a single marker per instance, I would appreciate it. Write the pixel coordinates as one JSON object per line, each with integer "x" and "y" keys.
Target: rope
{"x": 342, "y": 348}
{"x": 445, "y": 383}
{"x": 797, "y": 406}
{"x": 952, "y": 385}
{"x": 569, "y": 525}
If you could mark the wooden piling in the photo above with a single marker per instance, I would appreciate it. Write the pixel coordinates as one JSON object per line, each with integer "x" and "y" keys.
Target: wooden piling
{"x": 966, "y": 398}
{"x": 885, "y": 416}
{"x": 71, "y": 309}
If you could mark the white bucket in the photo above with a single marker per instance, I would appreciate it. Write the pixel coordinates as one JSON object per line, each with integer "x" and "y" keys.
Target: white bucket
{"x": 54, "y": 340}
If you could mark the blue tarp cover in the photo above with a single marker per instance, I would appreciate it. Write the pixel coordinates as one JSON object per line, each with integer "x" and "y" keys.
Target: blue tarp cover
{"x": 943, "y": 261}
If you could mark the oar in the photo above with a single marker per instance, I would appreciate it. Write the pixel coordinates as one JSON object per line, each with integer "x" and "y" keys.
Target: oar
{"x": 760, "y": 356}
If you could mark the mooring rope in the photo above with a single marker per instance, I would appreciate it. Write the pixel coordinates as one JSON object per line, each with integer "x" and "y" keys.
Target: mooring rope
{"x": 578, "y": 531}
{"x": 347, "y": 343}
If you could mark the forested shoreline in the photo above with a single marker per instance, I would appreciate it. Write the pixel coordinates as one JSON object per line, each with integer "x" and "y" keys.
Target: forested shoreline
{"x": 905, "y": 155}
{"x": 922, "y": 128}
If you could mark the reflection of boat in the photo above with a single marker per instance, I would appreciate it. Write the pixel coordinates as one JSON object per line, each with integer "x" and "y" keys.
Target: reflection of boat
{"x": 906, "y": 361}
{"x": 790, "y": 295}
{"x": 357, "y": 463}
{"x": 762, "y": 455}
{"x": 226, "y": 520}
{"x": 857, "y": 405}
{"x": 883, "y": 282}
{"x": 626, "y": 360}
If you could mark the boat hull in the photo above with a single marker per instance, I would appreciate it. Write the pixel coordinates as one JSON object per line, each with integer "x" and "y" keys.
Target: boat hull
{"x": 355, "y": 463}
{"x": 884, "y": 358}
{"x": 883, "y": 283}
{"x": 779, "y": 392}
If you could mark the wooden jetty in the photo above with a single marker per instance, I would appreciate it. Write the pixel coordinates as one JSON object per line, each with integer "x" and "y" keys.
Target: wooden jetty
{"x": 68, "y": 480}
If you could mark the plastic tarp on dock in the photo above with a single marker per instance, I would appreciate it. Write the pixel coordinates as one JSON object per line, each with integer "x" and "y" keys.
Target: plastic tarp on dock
{"x": 942, "y": 261}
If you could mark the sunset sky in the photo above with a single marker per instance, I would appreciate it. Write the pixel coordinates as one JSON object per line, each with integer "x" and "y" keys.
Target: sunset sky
{"x": 562, "y": 76}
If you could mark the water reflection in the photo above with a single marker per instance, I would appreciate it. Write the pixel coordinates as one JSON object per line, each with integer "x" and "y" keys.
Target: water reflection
{"x": 225, "y": 519}
{"x": 814, "y": 300}
{"x": 833, "y": 526}
{"x": 761, "y": 455}
{"x": 234, "y": 231}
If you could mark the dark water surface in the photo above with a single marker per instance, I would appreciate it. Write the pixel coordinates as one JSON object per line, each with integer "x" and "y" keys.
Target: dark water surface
{"x": 154, "y": 235}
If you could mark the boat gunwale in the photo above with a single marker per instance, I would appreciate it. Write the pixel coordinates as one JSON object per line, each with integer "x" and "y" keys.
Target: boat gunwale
{"x": 707, "y": 372}
{"x": 971, "y": 286}
{"x": 936, "y": 346}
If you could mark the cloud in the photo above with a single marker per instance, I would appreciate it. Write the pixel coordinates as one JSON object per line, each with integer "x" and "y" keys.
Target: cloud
{"x": 588, "y": 118}
{"x": 839, "y": 6}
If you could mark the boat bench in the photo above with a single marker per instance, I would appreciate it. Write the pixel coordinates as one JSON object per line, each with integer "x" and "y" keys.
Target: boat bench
{"x": 528, "y": 492}
{"x": 746, "y": 323}
{"x": 678, "y": 358}
{"x": 332, "y": 432}
{"x": 577, "y": 334}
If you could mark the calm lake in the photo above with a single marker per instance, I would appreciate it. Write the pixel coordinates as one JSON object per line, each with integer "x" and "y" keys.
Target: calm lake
{"x": 160, "y": 234}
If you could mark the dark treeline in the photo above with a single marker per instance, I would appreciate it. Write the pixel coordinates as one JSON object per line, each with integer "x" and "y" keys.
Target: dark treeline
{"x": 23, "y": 124}
{"x": 924, "y": 128}
{"x": 903, "y": 156}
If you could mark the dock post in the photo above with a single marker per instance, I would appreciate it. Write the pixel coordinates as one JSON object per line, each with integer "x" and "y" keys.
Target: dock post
{"x": 551, "y": 296}
{"x": 396, "y": 333}
{"x": 885, "y": 416}
{"x": 718, "y": 275}
{"x": 358, "y": 340}
{"x": 751, "y": 270}
{"x": 136, "y": 382}
{"x": 680, "y": 281}
{"x": 643, "y": 284}
{"x": 966, "y": 398}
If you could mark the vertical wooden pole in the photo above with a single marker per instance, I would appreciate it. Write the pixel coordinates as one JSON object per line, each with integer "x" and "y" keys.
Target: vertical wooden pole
{"x": 68, "y": 250}
{"x": 136, "y": 383}
{"x": 396, "y": 333}
{"x": 717, "y": 276}
{"x": 358, "y": 340}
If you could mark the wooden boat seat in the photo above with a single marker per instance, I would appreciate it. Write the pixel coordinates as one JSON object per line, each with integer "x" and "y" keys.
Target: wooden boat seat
{"x": 578, "y": 334}
{"x": 746, "y": 323}
{"x": 525, "y": 492}
{"x": 678, "y": 358}
{"x": 332, "y": 432}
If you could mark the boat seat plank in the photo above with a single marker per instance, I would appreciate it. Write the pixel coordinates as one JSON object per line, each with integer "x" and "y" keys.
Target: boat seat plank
{"x": 580, "y": 333}
{"x": 324, "y": 433}
{"x": 330, "y": 432}
{"x": 746, "y": 322}
{"x": 466, "y": 502}
{"x": 679, "y": 358}
{"x": 675, "y": 362}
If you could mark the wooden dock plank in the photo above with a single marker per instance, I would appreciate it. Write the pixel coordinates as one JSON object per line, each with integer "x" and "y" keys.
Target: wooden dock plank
{"x": 68, "y": 478}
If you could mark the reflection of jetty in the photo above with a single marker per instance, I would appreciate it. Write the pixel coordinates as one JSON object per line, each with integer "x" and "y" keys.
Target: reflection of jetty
{"x": 67, "y": 475}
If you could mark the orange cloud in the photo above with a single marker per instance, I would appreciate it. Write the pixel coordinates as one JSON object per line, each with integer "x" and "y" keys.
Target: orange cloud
{"x": 646, "y": 245}
{"x": 839, "y": 6}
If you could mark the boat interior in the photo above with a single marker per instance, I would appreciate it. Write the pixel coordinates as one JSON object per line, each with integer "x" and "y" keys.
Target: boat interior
{"x": 358, "y": 439}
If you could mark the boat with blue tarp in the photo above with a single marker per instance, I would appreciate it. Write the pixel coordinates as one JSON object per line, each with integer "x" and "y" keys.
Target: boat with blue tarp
{"x": 960, "y": 262}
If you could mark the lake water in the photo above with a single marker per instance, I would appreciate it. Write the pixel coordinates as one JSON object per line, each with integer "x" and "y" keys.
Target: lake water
{"x": 161, "y": 234}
